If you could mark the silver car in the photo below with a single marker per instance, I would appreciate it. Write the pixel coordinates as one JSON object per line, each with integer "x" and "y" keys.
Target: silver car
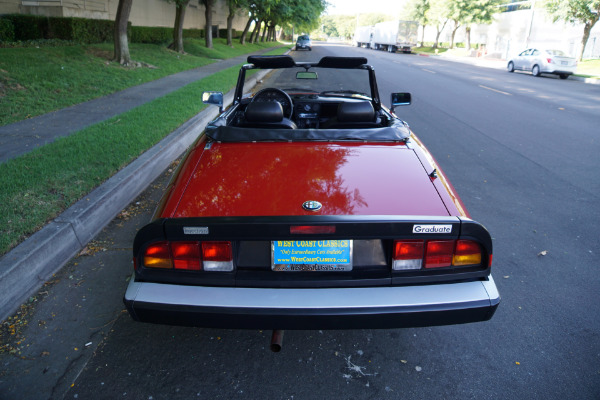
{"x": 540, "y": 61}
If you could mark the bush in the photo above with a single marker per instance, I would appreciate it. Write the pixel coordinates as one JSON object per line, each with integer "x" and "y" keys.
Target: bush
{"x": 235, "y": 34}
{"x": 92, "y": 30}
{"x": 28, "y": 27}
{"x": 21, "y": 27}
{"x": 82, "y": 30}
{"x": 193, "y": 33}
{"x": 7, "y": 30}
{"x": 146, "y": 34}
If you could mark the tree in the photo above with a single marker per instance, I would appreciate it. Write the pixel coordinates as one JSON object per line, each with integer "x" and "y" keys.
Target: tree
{"x": 417, "y": 11}
{"x": 251, "y": 19}
{"x": 438, "y": 14}
{"x": 585, "y": 12}
{"x": 180, "y": 7}
{"x": 480, "y": 12}
{"x": 458, "y": 12}
{"x": 120, "y": 33}
{"x": 208, "y": 6}
{"x": 233, "y": 6}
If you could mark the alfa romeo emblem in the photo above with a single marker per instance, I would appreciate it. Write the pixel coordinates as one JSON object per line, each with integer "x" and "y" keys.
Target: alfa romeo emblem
{"x": 312, "y": 205}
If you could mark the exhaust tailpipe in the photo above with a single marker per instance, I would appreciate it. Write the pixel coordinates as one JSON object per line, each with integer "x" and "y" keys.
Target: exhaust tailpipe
{"x": 276, "y": 340}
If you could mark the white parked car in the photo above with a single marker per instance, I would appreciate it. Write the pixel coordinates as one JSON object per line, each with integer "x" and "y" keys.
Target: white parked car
{"x": 540, "y": 61}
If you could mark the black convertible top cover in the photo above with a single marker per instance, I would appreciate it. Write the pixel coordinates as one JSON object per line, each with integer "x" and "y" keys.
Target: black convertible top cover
{"x": 394, "y": 133}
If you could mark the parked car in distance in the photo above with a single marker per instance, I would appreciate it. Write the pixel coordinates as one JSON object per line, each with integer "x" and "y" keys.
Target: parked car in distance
{"x": 303, "y": 42}
{"x": 543, "y": 61}
{"x": 310, "y": 205}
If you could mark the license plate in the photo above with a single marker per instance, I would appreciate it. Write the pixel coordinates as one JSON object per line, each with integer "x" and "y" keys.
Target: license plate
{"x": 311, "y": 255}
{"x": 564, "y": 63}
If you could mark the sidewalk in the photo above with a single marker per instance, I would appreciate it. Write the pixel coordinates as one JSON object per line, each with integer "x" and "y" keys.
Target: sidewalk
{"x": 23, "y": 136}
{"x": 29, "y": 265}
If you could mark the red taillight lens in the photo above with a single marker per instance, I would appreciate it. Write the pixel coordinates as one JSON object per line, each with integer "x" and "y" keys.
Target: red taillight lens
{"x": 408, "y": 254}
{"x": 217, "y": 256}
{"x": 216, "y": 251}
{"x": 549, "y": 60}
{"x": 158, "y": 255}
{"x": 186, "y": 255}
{"x": 439, "y": 253}
{"x": 309, "y": 229}
{"x": 467, "y": 252}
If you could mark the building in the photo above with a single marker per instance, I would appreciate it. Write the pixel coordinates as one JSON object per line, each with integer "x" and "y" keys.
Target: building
{"x": 143, "y": 12}
{"x": 513, "y": 31}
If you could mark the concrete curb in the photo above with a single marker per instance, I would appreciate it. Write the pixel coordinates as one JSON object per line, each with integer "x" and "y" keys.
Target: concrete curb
{"x": 28, "y": 266}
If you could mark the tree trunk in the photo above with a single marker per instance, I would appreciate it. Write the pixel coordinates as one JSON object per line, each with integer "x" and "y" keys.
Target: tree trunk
{"x": 423, "y": 36}
{"x": 230, "y": 28}
{"x": 177, "y": 44}
{"x": 208, "y": 5}
{"x": 121, "y": 54}
{"x": 246, "y": 29}
{"x": 456, "y": 26}
{"x": 255, "y": 32}
{"x": 468, "y": 37}
{"x": 438, "y": 33}
{"x": 264, "y": 32}
{"x": 586, "y": 35}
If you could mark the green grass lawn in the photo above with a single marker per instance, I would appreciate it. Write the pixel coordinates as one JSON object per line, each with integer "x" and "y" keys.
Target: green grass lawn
{"x": 428, "y": 50}
{"x": 38, "y": 80}
{"x": 589, "y": 68}
{"x": 38, "y": 186}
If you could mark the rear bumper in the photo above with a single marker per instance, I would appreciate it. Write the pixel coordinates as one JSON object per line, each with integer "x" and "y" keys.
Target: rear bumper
{"x": 558, "y": 71}
{"x": 339, "y": 308}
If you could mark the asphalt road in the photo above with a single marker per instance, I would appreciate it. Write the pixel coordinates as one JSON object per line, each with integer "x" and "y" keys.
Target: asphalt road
{"x": 523, "y": 154}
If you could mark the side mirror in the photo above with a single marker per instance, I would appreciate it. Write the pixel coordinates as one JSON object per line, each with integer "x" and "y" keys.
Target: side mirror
{"x": 400, "y": 99}
{"x": 215, "y": 98}
{"x": 306, "y": 75}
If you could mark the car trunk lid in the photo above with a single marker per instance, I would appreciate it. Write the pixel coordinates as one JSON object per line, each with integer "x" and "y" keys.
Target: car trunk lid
{"x": 275, "y": 179}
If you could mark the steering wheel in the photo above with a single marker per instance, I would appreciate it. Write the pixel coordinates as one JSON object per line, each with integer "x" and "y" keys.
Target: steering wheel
{"x": 278, "y": 95}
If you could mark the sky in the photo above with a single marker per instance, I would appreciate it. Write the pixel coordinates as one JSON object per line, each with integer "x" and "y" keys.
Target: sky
{"x": 352, "y": 7}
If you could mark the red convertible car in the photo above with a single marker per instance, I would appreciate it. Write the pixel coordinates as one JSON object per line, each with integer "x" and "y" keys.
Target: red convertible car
{"x": 311, "y": 206}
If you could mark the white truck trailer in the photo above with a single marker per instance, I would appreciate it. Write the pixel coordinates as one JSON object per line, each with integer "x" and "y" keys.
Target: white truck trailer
{"x": 395, "y": 35}
{"x": 362, "y": 36}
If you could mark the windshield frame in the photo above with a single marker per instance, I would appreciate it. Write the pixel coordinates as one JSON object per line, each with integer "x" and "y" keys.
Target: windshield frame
{"x": 279, "y": 62}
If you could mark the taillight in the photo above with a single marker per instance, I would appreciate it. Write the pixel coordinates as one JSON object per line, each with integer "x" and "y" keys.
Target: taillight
{"x": 549, "y": 60}
{"x": 439, "y": 253}
{"x": 190, "y": 256}
{"x": 467, "y": 253}
{"x": 158, "y": 255}
{"x": 416, "y": 254}
{"x": 217, "y": 256}
{"x": 408, "y": 254}
{"x": 186, "y": 255}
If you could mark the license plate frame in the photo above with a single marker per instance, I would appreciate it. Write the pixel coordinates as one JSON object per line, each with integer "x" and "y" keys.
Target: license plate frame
{"x": 312, "y": 255}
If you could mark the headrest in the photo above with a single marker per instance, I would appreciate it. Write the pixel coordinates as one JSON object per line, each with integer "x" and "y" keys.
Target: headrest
{"x": 356, "y": 112}
{"x": 341, "y": 62}
{"x": 268, "y": 111}
{"x": 283, "y": 61}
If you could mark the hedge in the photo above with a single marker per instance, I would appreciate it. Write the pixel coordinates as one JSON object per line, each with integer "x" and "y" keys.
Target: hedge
{"x": 33, "y": 27}
{"x": 21, "y": 27}
{"x": 145, "y": 34}
{"x": 193, "y": 33}
{"x": 7, "y": 30}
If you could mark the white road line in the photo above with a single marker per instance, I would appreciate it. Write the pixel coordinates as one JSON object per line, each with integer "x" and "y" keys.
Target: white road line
{"x": 495, "y": 90}
{"x": 428, "y": 70}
